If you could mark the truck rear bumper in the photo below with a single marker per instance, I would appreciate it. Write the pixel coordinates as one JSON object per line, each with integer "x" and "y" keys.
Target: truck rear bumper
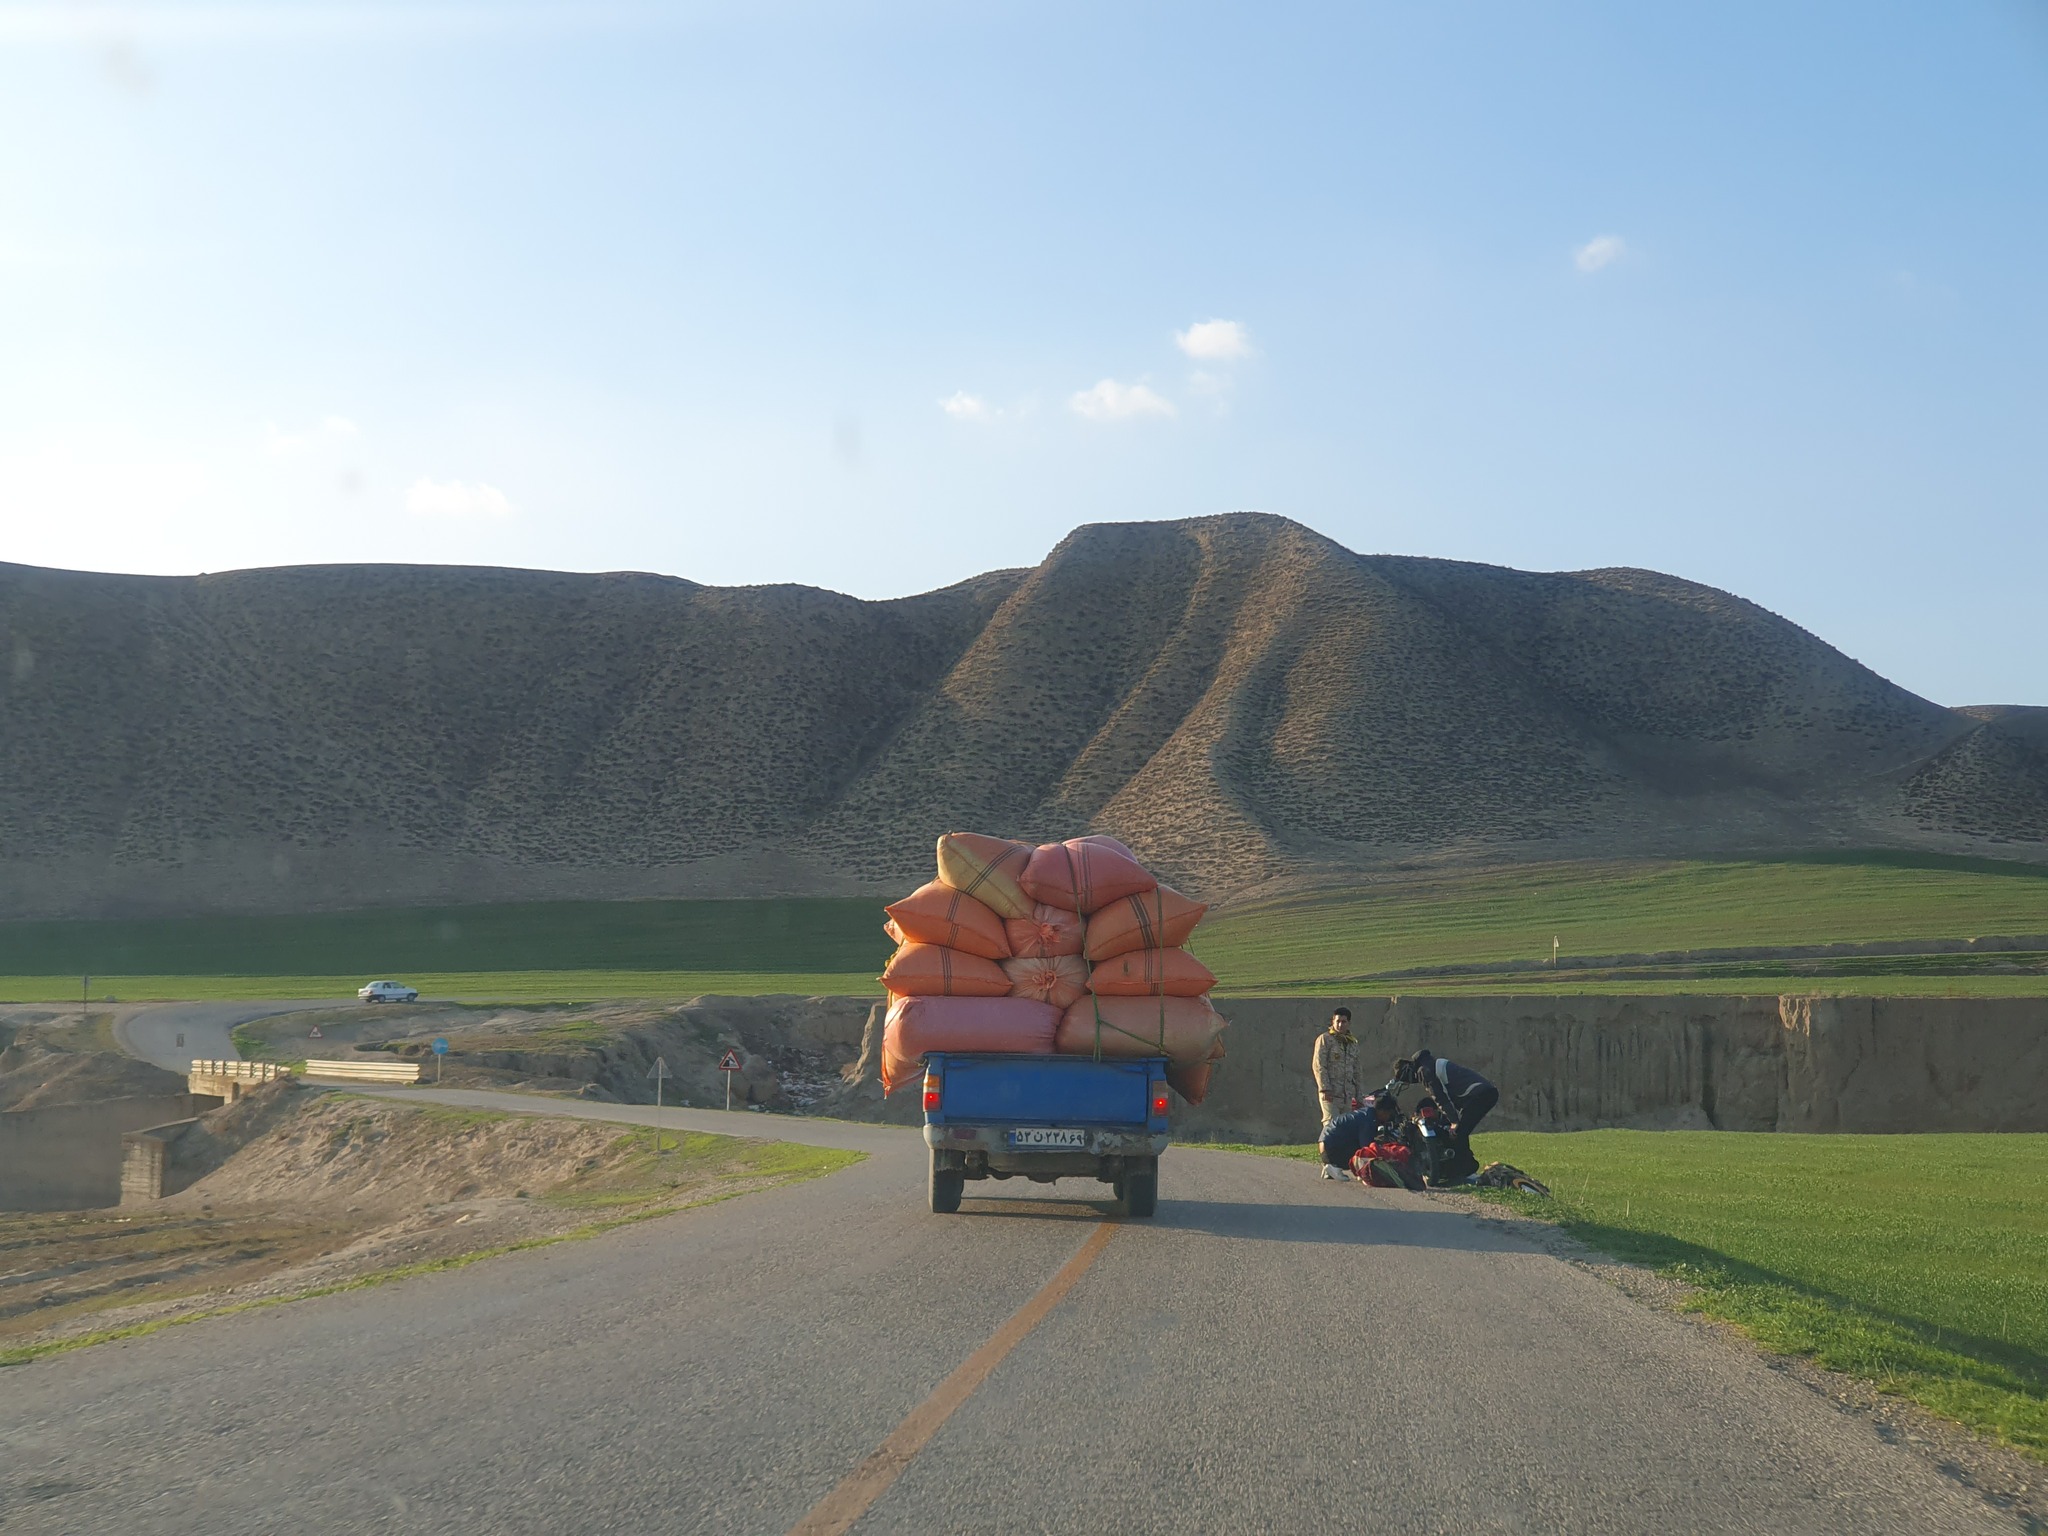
{"x": 985, "y": 1149}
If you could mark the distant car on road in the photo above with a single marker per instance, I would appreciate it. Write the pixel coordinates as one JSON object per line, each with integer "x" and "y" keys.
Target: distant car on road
{"x": 388, "y": 992}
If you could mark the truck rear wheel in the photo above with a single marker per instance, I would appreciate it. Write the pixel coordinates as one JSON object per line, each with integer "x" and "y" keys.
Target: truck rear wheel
{"x": 946, "y": 1187}
{"x": 1141, "y": 1192}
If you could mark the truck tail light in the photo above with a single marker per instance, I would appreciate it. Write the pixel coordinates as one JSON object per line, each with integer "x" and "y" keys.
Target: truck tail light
{"x": 1159, "y": 1103}
{"x": 931, "y": 1093}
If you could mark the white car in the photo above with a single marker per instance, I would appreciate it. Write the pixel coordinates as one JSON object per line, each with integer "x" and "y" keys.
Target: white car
{"x": 388, "y": 992}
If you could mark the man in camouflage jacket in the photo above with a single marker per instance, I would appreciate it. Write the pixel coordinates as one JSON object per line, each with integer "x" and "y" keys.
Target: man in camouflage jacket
{"x": 1336, "y": 1068}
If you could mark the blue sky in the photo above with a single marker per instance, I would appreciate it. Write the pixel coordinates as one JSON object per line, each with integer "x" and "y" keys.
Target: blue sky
{"x": 878, "y": 296}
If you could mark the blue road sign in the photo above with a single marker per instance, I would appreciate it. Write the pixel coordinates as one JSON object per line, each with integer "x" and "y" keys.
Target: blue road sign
{"x": 440, "y": 1047}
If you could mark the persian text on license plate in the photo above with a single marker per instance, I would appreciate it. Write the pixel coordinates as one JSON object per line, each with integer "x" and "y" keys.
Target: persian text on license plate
{"x": 1046, "y": 1136}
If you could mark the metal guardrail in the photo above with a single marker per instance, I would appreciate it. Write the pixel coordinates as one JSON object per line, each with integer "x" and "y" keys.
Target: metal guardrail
{"x": 244, "y": 1071}
{"x": 365, "y": 1071}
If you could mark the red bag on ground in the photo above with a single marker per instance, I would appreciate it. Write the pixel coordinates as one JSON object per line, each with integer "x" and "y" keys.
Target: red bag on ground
{"x": 986, "y": 868}
{"x": 1047, "y": 931}
{"x": 1084, "y": 874}
{"x": 916, "y": 1025}
{"x": 1158, "y": 919}
{"x": 1182, "y": 1028}
{"x": 1143, "y": 972}
{"x": 938, "y": 914}
{"x": 1385, "y": 1164}
{"x": 1056, "y": 979}
{"x": 932, "y": 970}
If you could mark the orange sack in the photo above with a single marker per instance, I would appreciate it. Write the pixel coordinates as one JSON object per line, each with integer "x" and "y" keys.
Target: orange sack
{"x": 986, "y": 868}
{"x": 932, "y": 970}
{"x": 1084, "y": 874}
{"x": 1192, "y": 1083}
{"x": 1143, "y": 972}
{"x": 919, "y": 1024}
{"x": 1159, "y": 919}
{"x": 1056, "y": 979}
{"x": 1047, "y": 931}
{"x": 1184, "y": 1029}
{"x": 896, "y": 935}
{"x": 938, "y": 914}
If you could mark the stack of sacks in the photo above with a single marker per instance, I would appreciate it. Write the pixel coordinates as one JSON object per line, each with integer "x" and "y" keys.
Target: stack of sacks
{"x": 1070, "y": 947}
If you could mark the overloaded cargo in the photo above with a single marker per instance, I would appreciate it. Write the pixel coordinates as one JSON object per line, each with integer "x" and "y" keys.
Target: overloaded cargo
{"x": 932, "y": 970}
{"x": 1070, "y": 948}
{"x": 1011, "y": 1025}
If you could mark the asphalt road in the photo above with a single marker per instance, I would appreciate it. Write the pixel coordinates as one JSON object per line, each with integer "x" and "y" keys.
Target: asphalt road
{"x": 1271, "y": 1353}
{"x": 207, "y": 1030}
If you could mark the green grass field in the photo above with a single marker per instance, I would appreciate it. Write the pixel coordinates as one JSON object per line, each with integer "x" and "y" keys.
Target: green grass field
{"x": 1311, "y": 943}
{"x": 1347, "y": 941}
{"x": 1918, "y": 1263}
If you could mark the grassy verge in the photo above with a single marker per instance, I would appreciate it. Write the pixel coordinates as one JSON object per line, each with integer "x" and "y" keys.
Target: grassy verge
{"x": 1917, "y": 1263}
{"x": 707, "y": 1174}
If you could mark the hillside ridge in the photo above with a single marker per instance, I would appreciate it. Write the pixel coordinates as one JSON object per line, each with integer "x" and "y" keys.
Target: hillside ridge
{"x": 1250, "y": 704}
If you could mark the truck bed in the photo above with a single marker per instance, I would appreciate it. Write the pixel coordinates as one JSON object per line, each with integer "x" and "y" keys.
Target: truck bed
{"x": 1045, "y": 1118}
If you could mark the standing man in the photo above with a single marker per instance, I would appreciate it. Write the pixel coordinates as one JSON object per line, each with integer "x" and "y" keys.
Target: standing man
{"x": 1336, "y": 1068}
{"x": 1463, "y": 1095}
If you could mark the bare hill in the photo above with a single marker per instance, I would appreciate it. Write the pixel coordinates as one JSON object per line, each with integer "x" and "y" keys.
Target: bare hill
{"x": 1245, "y": 701}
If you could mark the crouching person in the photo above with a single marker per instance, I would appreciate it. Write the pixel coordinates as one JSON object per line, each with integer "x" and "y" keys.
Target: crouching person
{"x": 1462, "y": 1094}
{"x": 1343, "y": 1136}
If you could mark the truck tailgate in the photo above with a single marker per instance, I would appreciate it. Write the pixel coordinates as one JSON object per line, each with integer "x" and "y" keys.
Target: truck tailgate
{"x": 1046, "y": 1090}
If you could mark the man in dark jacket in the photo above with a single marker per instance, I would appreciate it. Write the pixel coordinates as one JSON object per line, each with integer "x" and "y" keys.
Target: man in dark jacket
{"x": 1462, "y": 1094}
{"x": 1343, "y": 1136}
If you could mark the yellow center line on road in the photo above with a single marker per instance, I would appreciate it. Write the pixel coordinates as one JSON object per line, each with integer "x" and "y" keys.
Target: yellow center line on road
{"x": 838, "y": 1510}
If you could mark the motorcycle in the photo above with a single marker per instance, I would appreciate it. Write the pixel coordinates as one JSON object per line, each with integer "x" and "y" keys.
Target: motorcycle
{"x": 1439, "y": 1159}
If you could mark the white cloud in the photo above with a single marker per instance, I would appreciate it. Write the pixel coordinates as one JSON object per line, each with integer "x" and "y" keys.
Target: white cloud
{"x": 454, "y": 498}
{"x": 1598, "y": 252}
{"x": 1215, "y": 341}
{"x": 962, "y": 406}
{"x": 332, "y": 429}
{"x": 1111, "y": 401}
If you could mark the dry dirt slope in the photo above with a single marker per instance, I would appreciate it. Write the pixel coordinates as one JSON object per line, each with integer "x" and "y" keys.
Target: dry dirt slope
{"x": 1241, "y": 698}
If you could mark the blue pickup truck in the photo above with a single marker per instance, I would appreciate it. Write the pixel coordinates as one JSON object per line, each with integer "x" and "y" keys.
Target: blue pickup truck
{"x": 1044, "y": 1118}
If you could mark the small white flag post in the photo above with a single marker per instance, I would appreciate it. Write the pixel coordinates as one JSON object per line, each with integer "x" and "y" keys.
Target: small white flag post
{"x": 658, "y": 1071}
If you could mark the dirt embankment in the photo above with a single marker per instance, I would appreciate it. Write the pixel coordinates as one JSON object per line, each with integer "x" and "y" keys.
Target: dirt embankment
{"x": 1703, "y": 1062}
{"x": 1574, "y": 1063}
{"x": 35, "y": 1074}
{"x": 293, "y": 1189}
{"x": 794, "y": 1052}
{"x": 1562, "y": 1062}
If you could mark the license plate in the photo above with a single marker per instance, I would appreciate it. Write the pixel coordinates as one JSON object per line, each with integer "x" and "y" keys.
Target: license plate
{"x": 1046, "y": 1136}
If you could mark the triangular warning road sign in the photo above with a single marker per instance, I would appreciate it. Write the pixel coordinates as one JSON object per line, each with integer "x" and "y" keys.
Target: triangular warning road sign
{"x": 730, "y": 1063}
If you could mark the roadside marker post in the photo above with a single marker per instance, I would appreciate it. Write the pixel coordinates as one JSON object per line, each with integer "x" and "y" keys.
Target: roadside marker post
{"x": 729, "y": 1064}
{"x": 440, "y": 1050}
{"x": 658, "y": 1071}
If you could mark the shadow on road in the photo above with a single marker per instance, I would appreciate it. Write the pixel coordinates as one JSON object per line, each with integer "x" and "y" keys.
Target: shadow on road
{"x": 1361, "y": 1226}
{"x": 1039, "y": 1209}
